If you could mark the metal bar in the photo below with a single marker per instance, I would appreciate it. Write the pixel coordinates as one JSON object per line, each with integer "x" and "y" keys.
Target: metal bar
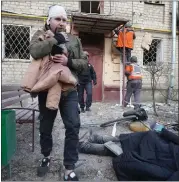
{"x": 124, "y": 64}
{"x": 118, "y": 120}
{"x": 20, "y": 108}
{"x": 121, "y": 78}
{"x": 101, "y": 18}
{"x": 172, "y": 74}
{"x": 33, "y": 130}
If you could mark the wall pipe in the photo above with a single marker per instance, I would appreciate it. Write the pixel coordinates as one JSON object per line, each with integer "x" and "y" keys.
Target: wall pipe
{"x": 172, "y": 74}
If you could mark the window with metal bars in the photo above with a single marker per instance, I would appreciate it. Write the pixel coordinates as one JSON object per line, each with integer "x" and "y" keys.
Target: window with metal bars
{"x": 16, "y": 42}
{"x": 154, "y": 54}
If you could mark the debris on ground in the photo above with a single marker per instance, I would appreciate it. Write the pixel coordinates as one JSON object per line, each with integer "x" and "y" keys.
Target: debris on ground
{"x": 91, "y": 167}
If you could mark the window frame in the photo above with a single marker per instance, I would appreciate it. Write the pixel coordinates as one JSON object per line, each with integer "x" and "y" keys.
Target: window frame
{"x": 100, "y": 10}
{"x": 15, "y": 59}
{"x": 161, "y": 52}
{"x": 154, "y": 2}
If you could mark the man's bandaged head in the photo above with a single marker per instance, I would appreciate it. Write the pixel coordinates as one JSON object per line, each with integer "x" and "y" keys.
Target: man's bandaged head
{"x": 56, "y": 11}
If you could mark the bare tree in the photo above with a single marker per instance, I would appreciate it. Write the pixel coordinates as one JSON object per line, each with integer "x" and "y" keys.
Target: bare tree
{"x": 167, "y": 68}
{"x": 155, "y": 69}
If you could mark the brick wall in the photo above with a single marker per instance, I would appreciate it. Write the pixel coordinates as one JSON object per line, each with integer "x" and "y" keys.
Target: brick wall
{"x": 141, "y": 14}
{"x": 14, "y": 69}
{"x": 36, "y": 8}
{"x": 153, "y": 16}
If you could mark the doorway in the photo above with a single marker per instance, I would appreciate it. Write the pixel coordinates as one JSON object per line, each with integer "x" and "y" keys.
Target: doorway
{"x": 94, "y": 44}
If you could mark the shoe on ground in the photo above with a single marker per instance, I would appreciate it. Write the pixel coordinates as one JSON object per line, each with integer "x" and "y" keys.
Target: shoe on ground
{"x": 88, "y": 109}
{"x": 82, "y": 110}
{"x": 71, "y": 177}
{"x": 43, "y": 167}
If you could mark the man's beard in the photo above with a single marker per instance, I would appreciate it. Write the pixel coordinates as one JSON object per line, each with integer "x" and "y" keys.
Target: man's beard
{"x": 60, "y": 30}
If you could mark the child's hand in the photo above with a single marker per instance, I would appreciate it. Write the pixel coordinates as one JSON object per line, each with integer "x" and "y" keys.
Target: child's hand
{"x": 49, "y": 34}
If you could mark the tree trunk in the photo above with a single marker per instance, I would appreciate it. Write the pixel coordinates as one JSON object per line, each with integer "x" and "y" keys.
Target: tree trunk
{"x": 153, "y": 84}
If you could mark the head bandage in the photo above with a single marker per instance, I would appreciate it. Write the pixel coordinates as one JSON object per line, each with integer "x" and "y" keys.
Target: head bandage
{"x": 56, "y": 11}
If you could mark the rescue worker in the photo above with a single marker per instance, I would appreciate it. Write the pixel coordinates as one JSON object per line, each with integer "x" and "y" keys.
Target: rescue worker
{"x": 85, "y": 84}
{"x": 129, "y": 37}
{"x": 76, "y": 62}
{"x": 134, "y": 83}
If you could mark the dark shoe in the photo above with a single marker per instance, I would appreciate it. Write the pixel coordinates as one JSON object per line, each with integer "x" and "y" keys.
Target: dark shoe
{"x": 88, "y": 109}
{"x": 44, "y": 167}
{"x": 82, "y": 110}
{"x": 71, "y": 177}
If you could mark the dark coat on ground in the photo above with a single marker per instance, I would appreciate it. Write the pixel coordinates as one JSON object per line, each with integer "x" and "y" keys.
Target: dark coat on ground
{"x": 148, "y": 156}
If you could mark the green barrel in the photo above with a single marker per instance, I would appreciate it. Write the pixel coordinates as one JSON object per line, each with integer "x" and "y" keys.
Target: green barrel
{"x": 8, "y": 136}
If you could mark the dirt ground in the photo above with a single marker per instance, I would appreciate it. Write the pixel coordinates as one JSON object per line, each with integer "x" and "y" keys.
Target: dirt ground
{"x": 92, "y": 167}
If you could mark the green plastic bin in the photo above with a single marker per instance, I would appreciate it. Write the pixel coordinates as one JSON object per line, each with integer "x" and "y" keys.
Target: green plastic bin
{"x": 8, "y": 136}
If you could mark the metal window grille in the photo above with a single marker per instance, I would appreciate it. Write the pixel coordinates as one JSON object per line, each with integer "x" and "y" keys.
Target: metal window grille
{"x": 154, "y": 54}
{"x": 16, "y": 41}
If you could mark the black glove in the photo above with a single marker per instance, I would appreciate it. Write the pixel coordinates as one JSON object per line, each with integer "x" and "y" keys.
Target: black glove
{"x": 94, "y": 83}
{"x": 56, "y": 50}
{"x": 60, "y": 38}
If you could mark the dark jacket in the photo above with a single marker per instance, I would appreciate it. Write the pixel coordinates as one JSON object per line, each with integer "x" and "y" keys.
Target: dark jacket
{"x": 148, "y": 156}
{"x": 87, "y": 75}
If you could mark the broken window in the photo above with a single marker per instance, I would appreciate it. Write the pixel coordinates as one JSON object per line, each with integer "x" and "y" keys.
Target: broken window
{"x": 90, "y": 6}
{"x": 16, "y": 42}
{"x": 154, "y": 54}
{"x": 153, "y": 2}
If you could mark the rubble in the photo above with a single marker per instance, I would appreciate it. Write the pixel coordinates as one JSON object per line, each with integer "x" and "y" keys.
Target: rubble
{"x": 94, "y": 167}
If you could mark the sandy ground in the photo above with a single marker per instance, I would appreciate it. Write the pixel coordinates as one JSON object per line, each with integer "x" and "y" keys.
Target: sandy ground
{"x": 93, "y": 167}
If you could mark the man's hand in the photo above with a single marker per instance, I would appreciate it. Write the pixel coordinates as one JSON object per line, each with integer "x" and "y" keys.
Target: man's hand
{"x": 94, "y": 83}
{"x": 60, "y": 58}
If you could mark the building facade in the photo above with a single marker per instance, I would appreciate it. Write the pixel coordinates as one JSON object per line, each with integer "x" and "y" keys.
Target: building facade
{"x": 20, "y": 20}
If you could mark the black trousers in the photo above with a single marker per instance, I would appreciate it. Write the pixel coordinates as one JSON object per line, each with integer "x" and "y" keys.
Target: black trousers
{"x": 127, "y": 53}
{"x": 81, "y": 88}
{"x": 70, "y": 115}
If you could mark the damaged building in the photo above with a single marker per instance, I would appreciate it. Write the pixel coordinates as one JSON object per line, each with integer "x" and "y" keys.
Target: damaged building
{"x": 93, "y": 22}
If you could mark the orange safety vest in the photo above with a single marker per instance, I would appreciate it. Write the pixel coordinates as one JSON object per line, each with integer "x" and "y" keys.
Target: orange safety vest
{"x": 135, "y": 72}
{"x": 129, "y": 34}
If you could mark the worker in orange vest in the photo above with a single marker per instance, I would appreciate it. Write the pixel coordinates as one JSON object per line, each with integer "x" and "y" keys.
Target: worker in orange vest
{"x": 134, "y": 83}
{"x": 128, "y": 43}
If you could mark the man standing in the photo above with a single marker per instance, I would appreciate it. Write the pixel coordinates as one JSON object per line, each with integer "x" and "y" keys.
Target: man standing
{"x": 76, "y": 62}
{"x": 134, "y": 83}
{"x": 129, "y": 37}
{"x": 85, "y": 83}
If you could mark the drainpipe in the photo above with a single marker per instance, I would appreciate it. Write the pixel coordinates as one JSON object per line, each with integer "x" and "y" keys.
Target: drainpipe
{"x": 174, "y": 3}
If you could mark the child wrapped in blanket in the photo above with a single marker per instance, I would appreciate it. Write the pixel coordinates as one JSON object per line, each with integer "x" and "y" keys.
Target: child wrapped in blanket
{"x": 46, "y": 74}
